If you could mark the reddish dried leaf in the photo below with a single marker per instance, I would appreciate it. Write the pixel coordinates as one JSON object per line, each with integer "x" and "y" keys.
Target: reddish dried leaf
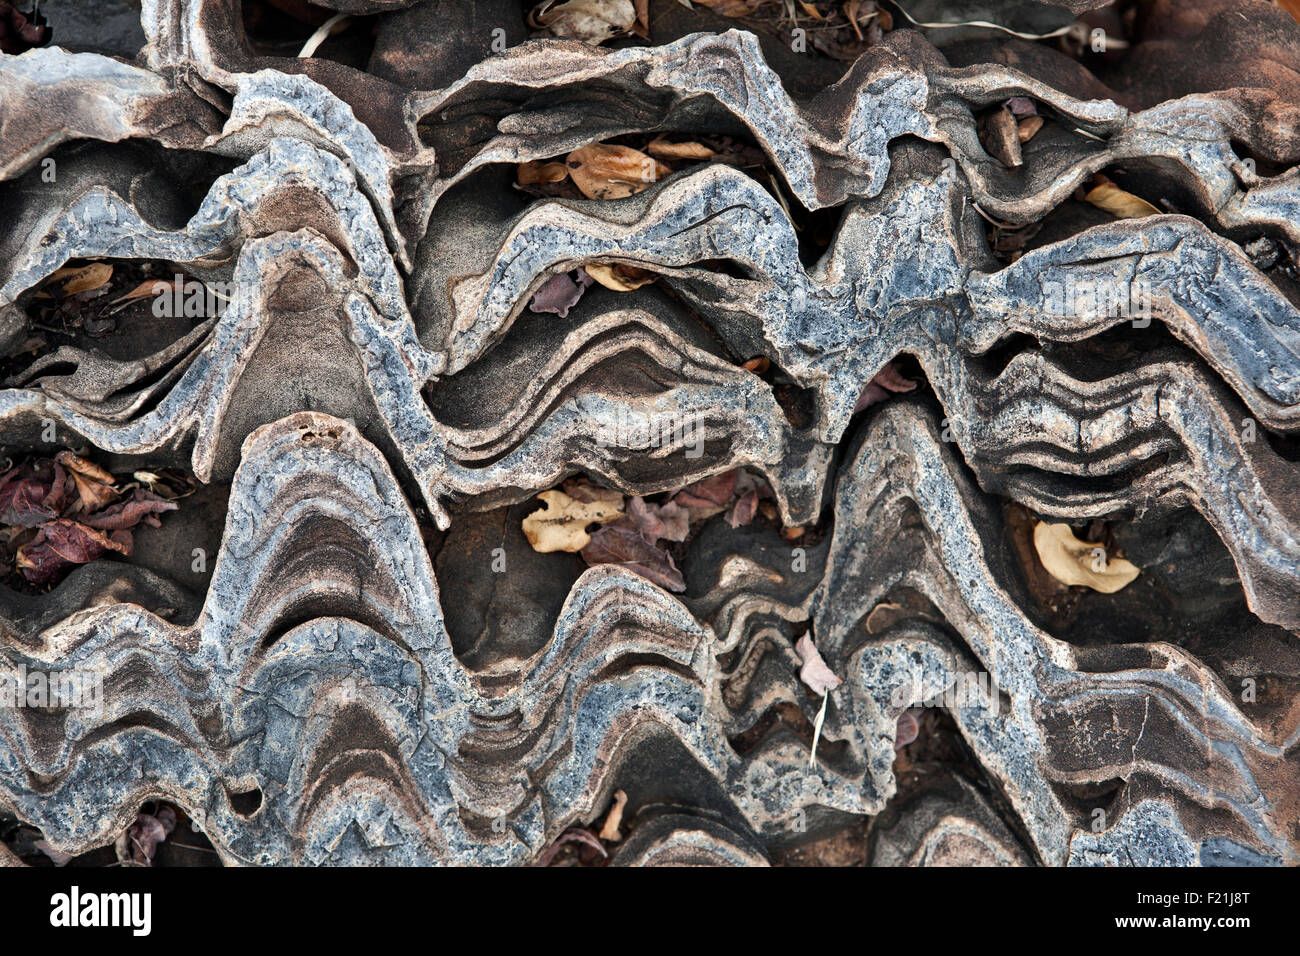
{"x": 142, "y": 506}
{"x": 572, "y": 835}
{"x": 670, "y": 521}
{"x": 906, "y": 730}
{"x": 620, "y": 543}
{"x": 61, "y": 498}
{"x": 560, "y": 293}
{"x": 22, "y": 498}
{"x": 1021, "y": 106}
{"x": 147, "y": 832}
{"x": 714, "y": 492}
{"x": 743, "y": 511}
{"x": 17, "y": 33}
{"x": 62, "y": 543}
{"x": 887, "y": 380}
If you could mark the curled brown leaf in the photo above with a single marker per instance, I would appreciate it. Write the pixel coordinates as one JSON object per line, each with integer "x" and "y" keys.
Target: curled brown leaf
{"x": 607, "y": 171}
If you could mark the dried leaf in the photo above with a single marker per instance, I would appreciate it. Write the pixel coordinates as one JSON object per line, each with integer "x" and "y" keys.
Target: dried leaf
{"x": 18, "y": 33}
{"x": 62, "y": 543}
{"x": 537, "y": 172}
{"x": 713, "y": 493}
{"x": 888, "y": 380}
{"x": 1080, "y": 563}
{"x": 814, "y": 671}
{"x": 169, "y": 485}
{"x": 905, "y": 730}
{"x": 83, "y": 278}
{"x": 1000, "y": 136}
{"x": 560, "y": 293}
{"x": 81, "y": 466}
{"x": 689, "y": 151}
{"x": 642, "y": 26}
{"x": 93, "y": 484}
{"x": 572, "y": 835}
{"x": 139, "y": 844}
{"x": 22, "y": 497}
{"x": 1118, "y": 203}
{"x": 669, "y": 521}
{"x": 820, "y": 680}
{"x": 145, "y": 289}
{"x": 93, "y": 495}
{"x": 562, "y": 524}
{"x": 622, "y": 544}
{"x": 852, "y": 10}
{"x": 619, "y": 277}
{"x": 142, "y": 507}
{"x": 1028, "y": 127}
{"x": 758, "y": 365}
{"x": 614, "y": 819}
{"x": 811, "y": 10}
{"x": 592, "y": 21}
{"x": 743, "y": 511}
{"x": 1021, "y": 106}
{"x": 604, "y": 171}
{"x": 57, "y": 857}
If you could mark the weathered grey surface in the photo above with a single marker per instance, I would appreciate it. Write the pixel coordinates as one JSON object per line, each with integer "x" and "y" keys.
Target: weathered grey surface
{"x": 377, "y": 361}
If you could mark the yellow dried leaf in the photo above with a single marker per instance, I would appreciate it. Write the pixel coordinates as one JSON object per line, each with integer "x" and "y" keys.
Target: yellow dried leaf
{"x": 1028, "y": 128}
{"x": 78, "y": 465}
{"x": 603, "y": 171}
{"x": 1080, "y": 563}
{"x": 145, "y": 289}
{"x": 94, "y": 485}
{"x": 562, "y": 524}
{"x": 593, "y": 21}
{"x": 757, "y": 365}
{"x": 690, "y": 151}
{"x": 537, "y": 173}
{"x": 92, "y": 494}
{"x": 610, "y": 831}
{"x": 1118, "y": 203}
{"x": 83, "y": 278}
{"x": 619, "y": 277}
{"x": 812, "y": 11}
